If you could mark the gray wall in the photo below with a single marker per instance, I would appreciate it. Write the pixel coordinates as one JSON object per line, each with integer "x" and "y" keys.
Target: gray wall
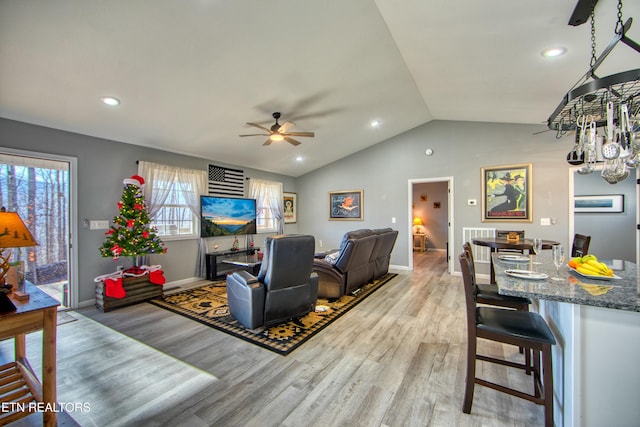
{"x": 460, "y": 150}
{"x": 611, "y": 233}
{"x": 102, "y": 165}
{"x": 382, "y": 171}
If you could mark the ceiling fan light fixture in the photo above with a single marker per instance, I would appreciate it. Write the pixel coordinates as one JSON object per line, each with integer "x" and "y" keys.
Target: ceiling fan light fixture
{"x": 276, "y": 137}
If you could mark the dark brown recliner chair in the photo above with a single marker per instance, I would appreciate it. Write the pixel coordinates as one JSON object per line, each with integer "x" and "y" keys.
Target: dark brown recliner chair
{"x": 285, "y": 288}
{"x": 349, "y": 268}
{"x": 381, "y": 255}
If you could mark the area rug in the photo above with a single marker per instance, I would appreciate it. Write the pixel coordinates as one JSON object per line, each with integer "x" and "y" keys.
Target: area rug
{"x": 208, "y": 305}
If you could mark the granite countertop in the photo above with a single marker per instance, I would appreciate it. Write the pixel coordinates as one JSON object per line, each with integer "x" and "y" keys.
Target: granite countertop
{"x": 620, "y": 294}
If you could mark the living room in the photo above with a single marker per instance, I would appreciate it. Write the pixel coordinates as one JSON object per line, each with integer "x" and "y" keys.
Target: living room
{"x": 384, "y": 172}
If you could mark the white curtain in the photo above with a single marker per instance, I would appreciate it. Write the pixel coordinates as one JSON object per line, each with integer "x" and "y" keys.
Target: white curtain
{"x": 160, "y": 180}
{"x": 269, "y": 193}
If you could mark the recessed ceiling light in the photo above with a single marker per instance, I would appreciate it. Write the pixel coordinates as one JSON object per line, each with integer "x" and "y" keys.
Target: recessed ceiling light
{"x": 554, "y": 51}
{"x": 110, "y": 100}
{"x": 299, "y": 159}
{"x": 374, "y": 123}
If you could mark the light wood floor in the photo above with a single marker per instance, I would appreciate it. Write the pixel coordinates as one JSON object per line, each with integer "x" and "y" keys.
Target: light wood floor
{"x": 397, "y": 359}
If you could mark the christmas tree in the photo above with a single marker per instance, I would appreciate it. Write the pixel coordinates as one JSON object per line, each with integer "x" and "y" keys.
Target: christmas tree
{"x": 130, "y": 235}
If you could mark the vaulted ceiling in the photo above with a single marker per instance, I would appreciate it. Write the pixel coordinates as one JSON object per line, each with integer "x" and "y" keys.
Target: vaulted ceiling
{"x": 191, "y": 73}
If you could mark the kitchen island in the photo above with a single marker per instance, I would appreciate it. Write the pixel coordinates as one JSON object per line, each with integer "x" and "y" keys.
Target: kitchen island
{"x": 597, "y": 325}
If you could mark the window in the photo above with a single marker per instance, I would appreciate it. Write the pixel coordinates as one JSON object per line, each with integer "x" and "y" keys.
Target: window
{"x": 175, "y": 218}
{"x": 173, "y": 196}
{"x": 269, "y": 205}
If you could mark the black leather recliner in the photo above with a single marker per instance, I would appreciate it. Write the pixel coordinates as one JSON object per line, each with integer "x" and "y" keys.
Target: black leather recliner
{"x": 350, "y": 267}
{"x": 285, "y": 287}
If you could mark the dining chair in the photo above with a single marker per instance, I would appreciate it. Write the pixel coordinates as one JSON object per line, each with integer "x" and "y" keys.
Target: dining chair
{"x": 518, "y": 328}
{"x": 580, "y": 245}
{"x": 487, "y": 293}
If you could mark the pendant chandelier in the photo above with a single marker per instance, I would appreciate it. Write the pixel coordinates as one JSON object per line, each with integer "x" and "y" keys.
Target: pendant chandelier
{"x": 611, "y": 103}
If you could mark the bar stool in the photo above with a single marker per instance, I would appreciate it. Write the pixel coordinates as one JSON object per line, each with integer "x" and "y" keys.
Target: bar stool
{"x": 522, "y": 329}
{"x": 487, "y": 293}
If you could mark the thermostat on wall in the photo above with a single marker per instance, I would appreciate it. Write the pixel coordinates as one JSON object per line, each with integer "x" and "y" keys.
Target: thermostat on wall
{"x": 472, "y": 202}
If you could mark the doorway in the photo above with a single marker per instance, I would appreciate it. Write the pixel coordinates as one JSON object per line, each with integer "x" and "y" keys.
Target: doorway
{"x": 610, "y": 232}
{"x": 430, "y": 217}
{"x": 39, "y": 187}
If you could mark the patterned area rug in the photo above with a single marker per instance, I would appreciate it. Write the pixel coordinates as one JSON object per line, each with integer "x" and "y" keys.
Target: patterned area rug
{"x": 208, "y": 305}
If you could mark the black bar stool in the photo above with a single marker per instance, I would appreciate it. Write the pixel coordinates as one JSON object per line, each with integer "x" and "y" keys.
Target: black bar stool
{"x": 523, "y": 329}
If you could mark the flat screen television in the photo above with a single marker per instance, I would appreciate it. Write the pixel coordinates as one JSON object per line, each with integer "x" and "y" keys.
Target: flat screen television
{"x": 227, "y": 216}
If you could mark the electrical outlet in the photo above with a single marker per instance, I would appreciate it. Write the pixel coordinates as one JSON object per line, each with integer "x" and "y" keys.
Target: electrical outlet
{"x": 393, "y": 220}
{"x": 545, "y": 221}
{"x": 320, "y": 241}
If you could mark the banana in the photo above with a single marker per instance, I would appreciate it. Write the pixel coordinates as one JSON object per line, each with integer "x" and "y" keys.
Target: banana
{"x": 598, "y": 266}
{"x": 584, "y": 269}
{"x": 589, "y": 267}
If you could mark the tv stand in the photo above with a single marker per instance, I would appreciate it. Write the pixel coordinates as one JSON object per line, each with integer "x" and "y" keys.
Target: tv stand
{"x": 217, "y": 268}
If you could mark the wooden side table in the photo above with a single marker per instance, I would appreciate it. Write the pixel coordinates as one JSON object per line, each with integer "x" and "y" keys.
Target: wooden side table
{"x": 38, "y": 313}
{"x": 419, "y": 242}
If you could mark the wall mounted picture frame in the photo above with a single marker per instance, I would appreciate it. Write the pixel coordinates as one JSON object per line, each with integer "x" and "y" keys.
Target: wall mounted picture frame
{"x": 290, "y": 204}
{"x": 607, "y": 203}
{"x": 346, "y": 205}
{"x": 506, "y": 193}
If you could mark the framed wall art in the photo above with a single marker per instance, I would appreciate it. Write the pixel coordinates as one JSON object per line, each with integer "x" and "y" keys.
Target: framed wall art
{"x": 506, "y": 193}
{"x": 610, "y": 203}
{"x": 290, "y": 207}
{"x": 346, "y": 205}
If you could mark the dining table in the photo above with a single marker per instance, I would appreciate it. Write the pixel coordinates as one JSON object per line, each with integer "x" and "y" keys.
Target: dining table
{"x": 596, "y": 321}
{"x": 495, "y": 244}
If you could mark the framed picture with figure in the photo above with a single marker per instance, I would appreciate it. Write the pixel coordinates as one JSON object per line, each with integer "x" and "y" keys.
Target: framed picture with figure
{"x": 290, "y": 207}
{"x": 346, "y": 205}
{"x": 506, "y": 193}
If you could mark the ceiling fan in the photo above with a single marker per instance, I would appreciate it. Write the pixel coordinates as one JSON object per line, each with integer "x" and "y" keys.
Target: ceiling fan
{"x": 279, "y": 132}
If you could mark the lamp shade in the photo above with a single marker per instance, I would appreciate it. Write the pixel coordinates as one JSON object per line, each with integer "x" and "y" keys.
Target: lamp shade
{"x": 13, "y": 232}
{"x": 417, "y": 221}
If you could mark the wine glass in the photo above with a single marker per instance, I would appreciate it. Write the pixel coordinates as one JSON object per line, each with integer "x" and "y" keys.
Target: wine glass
{"x": 558, "y": 260}
{"x": 537, "y": 249}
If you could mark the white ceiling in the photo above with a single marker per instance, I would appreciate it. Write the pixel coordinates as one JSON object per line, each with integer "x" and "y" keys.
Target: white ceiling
{"x": 190, "y": 73}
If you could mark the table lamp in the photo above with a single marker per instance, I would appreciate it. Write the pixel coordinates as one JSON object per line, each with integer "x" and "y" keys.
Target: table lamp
{"x": 417, "y": 222}
{"x": 13, "y": 234}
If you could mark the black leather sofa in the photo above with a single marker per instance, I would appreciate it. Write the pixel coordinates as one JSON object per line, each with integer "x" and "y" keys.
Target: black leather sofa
{"x": 363, "y": 256}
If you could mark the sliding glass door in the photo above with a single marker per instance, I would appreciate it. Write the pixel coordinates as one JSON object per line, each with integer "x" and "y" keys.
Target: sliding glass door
{"x": 38, "y": 189}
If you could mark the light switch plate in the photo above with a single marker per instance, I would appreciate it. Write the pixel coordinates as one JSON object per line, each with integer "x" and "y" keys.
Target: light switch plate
{"x": 96, "y": 224}
{"x": 545, "y": 221}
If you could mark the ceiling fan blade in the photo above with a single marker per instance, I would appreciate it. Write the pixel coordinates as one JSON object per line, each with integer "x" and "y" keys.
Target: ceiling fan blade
{"x": 309, "y": 134}
{"x": 286, "y": 125}
{"x": 267, "y": 142}
{"x": 291, "y": 141}
{"x": 258, "y": 126}
{"x": 255, "y": 134}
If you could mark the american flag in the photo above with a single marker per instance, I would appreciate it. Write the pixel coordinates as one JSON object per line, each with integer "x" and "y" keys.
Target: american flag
{"x": 225, "y": 181}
